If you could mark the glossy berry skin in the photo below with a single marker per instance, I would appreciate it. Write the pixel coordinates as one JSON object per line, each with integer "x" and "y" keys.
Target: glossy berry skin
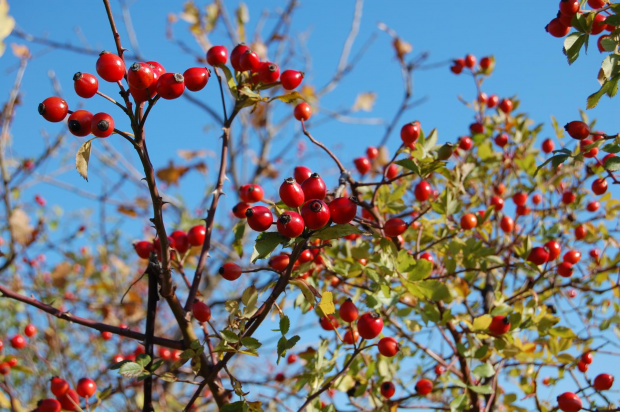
{"x": 536, "y": 199}
{"x": 577, "y": 130}
{"x": 291, "y": 193}
{"x": 369, "y": 325}
{"x": 492, "y": 101}
{"x": 301, "y": 173}
{"x": 49, "y": 405}
{"x": 583, "y": 367}
{"x": 538, "y": 255}
{"x": 290, "y": 79}
{"x": 350, "y": 338}
{"x": 170, "y": 85}
{"x": 599, "y": 24}
{"x": 599, "y": 186}
{"x": 235, "y": 56}
{"x": 427, "y": 256}
{"x": 85, "y": 85}
{"x": 422, "y": 191}
{"x": 348, "y": 311}
{"x": 505, "y": 105}
{"x": 302, "y": 111}
{"x": 476, "y": 128}
{"x": 102, "y": 125}
{"x": 110, "y": 67}
{"x": 249, "y": 61}
{"x": 239, "y": 209}
{"x": 469, "y": 221}
{"x": 519, "y": 199}
{"x": 53, "y": 109}
{"x": 465, "y": 143}
{"x": 329, "y": 323}
{"x": 18, "y": 342}
{"x": 569, "y": 402}
{"x": 556, "y": 28}
{"x": 580, "y": 232}
{"x": 388, "y": 346}
{"x": 470, "y": 61}
{"x": 230, "y": 271}
{"x": 587, "y": 153}
{"x": 394, "y": 227}
{"x": 568, "y": 197}
{"x": 217, "y": 56}
{"x": 439, "y": 370}
{"x": 572, "y": 256}
{"x": 181, "y": 243}
{"x": 86, "y": 387}
{"x": 259, "y": 218}
{"x": 497, "y": 202}
{"x": 501, "y": 140}
{"x": 290, "y": 224}
{"x": 499, "y": 325}
{"x": 305, "y": 257}
{"x": 201, "y": 311}
{"x": 424, "y": 387}
{"x": 372, "y": 152}
{"x": 279, "y": 262}
{"x": 597, "y": 4}
{"x": 315, "y": 214}
{"x": 554, "y": 249}
{"x": 548, "y": 146}
{"x": 196, "y": 78}
{"x": 387, "y": 390}
{"x": 30, "y": 330}
{"x": 69, "y": 400}
{"x": 565, "y": 269}
{"x": 251, "y": 193}
{"x": 196, "y": 235}
{"x": 569, "y": 6}
{"x": 314, "y": 187}
{"x": 410, "y": 132}
{"x": 268, "y": 73}
{"x": 342, "y": 210}
{"x": 362, "y": 164}
{"x": 507, "y": 224}
{"x": 79, "y": 123}
{"x": 140, "y": 76}
{"x": 603, "y": 382}
{"x": 587, "y": 358}
{"x": 58, "y": 386}
{"x": 391, "y": 171}
{"x": 105, "y": 335}
{"x": 593, "y": 206}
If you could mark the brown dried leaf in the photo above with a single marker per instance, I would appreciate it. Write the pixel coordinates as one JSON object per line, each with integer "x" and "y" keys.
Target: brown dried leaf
{"x": 190, "y": 155}
{"x": 201, "y": 167}
{"x": 365, "y": 102}
{"x": 171, "y": 174}
{"x": 19, "y": 225}
{"x": 21, "y": 51}
{"x": 81, "y": 159}
{"x": 127, "y": 211}
{"x": 60, "y": 273}
{"x": 402, "y": 48}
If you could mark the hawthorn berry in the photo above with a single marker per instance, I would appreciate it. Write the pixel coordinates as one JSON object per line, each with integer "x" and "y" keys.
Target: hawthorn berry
{"x": 110, "y": 67}
{"x": 70, "y": 400}
{"x": 599, "y": 24}
{"x": 519, "y": 199}
{"x": 391, "y": 171}
{"x": 410, "y": 132}
{"x": 587, "y": 358}
{"x": 536, "y": 199}
{"x": 314, "y": 187}
{"x": 500, "y": 324}
{"x": 476, "y": 128}
{"x": 580, "y": 232}
{"x": 369, "y": 325}
{"x": 279, "y": 262}
{"x": 603, "y": 382}
{"x": 235, "y": 56}
{"x": 201, "y": 311}
{"x": 140, "y": 76}
{"x": 505, "y": 105}
{"x": 548, "y": 146}
{"x": 587, "y": 153}
{"x": 85, "y": 84}
{"x": 507, "y": 224}
{"x": 196, "y": 235}
{"x": 492, "y": 101}
{"x": 53, "y": 109}
{"x": 302, "y": 111}
{"x": 290, "y": 79}
{"x": 217, "y": 56}
{"x": 348, "y": 311}
{"x": 599, "y": 186}
{"x": 372, "y": 152}
{"x": 164, "y": 353}
{"x": 470, "y": 61}
{"x": 305, "y": 256}
{"x": 5, "y": 368}
{"x": 556, "y": 28}
{"x": 577, "y": 130}
{"x": 290, "y": 224}
{"x": 105, "y": 335}
{"x": 387, "y": 389}
{"x": 485, "y": 63}
{"x": 292, "y": 358}
{"x": 394, "y": 227}
{"x": 30, "y": 330}
{"x": 230, "y": 271}
{"x": 465, "y": 143}
{"x": 538, "y": 255}
{"x": 249, "y": 61}
{"x": 329, "y": 322}
{"x": 239, "y": 209}
{"x": 469, "y": 221}
{"x": 181, "y": 242}
{"x": 268, "y": 73}
{"x": 501, "y": 139}
{"x": 143, "y": 249}
{"x": 565, "y": 269}
{"x": 301, "y": 173}
{"x": 572, "y": 256}
{"x": 86, "y": 387}
{"x": 350, "y": 337}
{"x": 497, "y": 202}
{"x": 427, "y": 256}
{"x": 170, "y": 85}
{"x": 569, "y": 402}
{"x": 79, "y": 122}
{"x": 49, "y": 405}
{"x": 291, "y": 193}
{"x": 342, "y": 210}
{"x": 196, "y": 78}
{"x": 582, "y": 366}
{"x": 259, "y": 218}
{"x": 593, "y": 206}
{"x": 439, "y": 370}
{"x": 568, "y": 197}
{"x": 102, "y": 125}
{"x": 315, "y": 214}
{"x": 280, "y": 377}
{"x": 18, "y": 342}
{"x": 422, "y": 191}
{"x": 251, "y": 193}
{"x": 569, "y": 6}
{"x": 58, "y": 386}
{"x": 388, "y": 346}
{"x": 362, "y": 164}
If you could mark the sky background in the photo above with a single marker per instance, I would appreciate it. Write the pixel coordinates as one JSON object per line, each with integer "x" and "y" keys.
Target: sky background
{"x": 529, "y": 64}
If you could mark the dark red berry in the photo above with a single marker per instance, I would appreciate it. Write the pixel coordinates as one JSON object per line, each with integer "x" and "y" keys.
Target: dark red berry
{"x": 49, "y": 405}
{"x": 249, "y": 61}
{"x": 301, "y": 173}
{"x": 424, "y": 387}
{"x": 239, "y": 210}
{"x": 181, "y": 242}
{"x": 85, "y": 84}
{"x": 53, "y": 109}
{"x": 69, "y": 401}
{"x": 362, "y": 164}
{"x": 492, "y": 101}
{"x": 201, "y": 311}
{"x": 470, "y": 61}
{"x": 577, "y": 130}
{"x": 501, "y": 139}
{"x": 290, "y": 224}
{"x": 348, "y": 311}
{"x": 102, "y": 125}
{"x": 251, "y": 193}
{"x": 230, "y": 271}
{"x": 79, "y": 122}
{"x": 329, "y": 323}
{"x": 140, "y": 76}
{"x": 291, "y": 193}
{"x": 394, "y": 227}
{"x": 557, "y": 28}
{"x": 315, "y": 214}
{"x": 569, "y": 402}
{"x": 388, "y": 346}
{"x": 235, "y": 56}
{"x": 569, "y": 6}
{"x": 599, "y": 186}
{"x": 259, "y": 218}
{"x": 370, "y": 325}
{"x": 279, "y": 262}
{"x": 465, "y": 143}
{"x": 196, "y": 78}
{"x": 30, "y": 330}
{"x": 548, "y": 146}
{"x": 538, "y": 255}
{"x": 18, "y": 342}
{"x": 143, "y": 249}
{"x": 565, "y": 269}
{"x": 342, "y": 210}
{"x": 422, "y": 191}
{"x": 603, "y": 382}
{"x": 387, "y": 389}
{"x": 505, "y": 105}
{"x": 110, "y": 67}
{"x": 314, "y": 187}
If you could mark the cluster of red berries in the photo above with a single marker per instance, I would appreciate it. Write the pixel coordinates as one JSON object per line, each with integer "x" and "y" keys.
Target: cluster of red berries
{"x": 178, "y": 241}
{"x": 365, "y": 164}
{"x": 67, "y": 398}
{"x": 469, "y": 62}
{"x": 17, "y": 342}
{"x": 560, "y": 26}
{"x": 569, "y": 401}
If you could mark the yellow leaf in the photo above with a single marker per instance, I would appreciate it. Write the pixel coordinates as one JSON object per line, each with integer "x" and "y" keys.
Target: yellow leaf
{"x": 7, "y": 23}
{"x": 482, "y": 322}
{"x": 127, "y": 211}
{"x": 81, "y": 159}
{"x": 327, "y": 303}
{"x": 171, "y": 174}
{"x": 364, "y": 102}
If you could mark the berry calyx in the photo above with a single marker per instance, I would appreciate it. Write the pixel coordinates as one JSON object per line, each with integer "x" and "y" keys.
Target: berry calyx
{"x": 53, "y": 109}
{"x": 369, "y": 325}
{"x": 170, "y": 85}
{"x": 201, "y": 311}
{"x": 102, "y": 125}
{"x": 85, "y": 84}
{"x": 140, "y": 76}
{"x": 259, "y": 218}
{"x": 315, "y": 214}
{"x": 110, "y": 67}
{"x": 230, "y": 271}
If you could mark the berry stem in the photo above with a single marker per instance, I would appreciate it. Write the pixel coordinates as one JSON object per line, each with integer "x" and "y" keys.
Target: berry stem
{"x": 152, "y": 271}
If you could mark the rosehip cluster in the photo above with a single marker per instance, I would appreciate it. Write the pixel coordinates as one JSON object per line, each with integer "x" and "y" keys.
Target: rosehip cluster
{"x": 67, "y": 398}
{"x": 469, "y": 61}
{"x": 178, "y": 240}
{"x": 569, "y": 10}
{"x": 368, "y": 163}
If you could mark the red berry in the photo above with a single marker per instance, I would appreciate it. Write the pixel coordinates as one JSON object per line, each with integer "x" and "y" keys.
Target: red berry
{"x": 102, "y": 125}
{"x": 30, "y": 330}
{"x": 469, "y": 221}
{"x": 572, "y": 256}
{"x": 505, "y": 105}
{"x": 53, "y": 109}
{"x": 362, "y": 164}
{"x": 492, "y": 101}
{"x": 497, "y": 203}
{"x": 556, "y": 28}
{"x": 315, "y": 214}
{"x": 170, "y": 85}
{"x": 230, "y": 271}
{"x": 485, "y": 63}
{"x": 476, "y": 128}
{"x": 456, "y": 68}
{"x": 18, "y": 342}
{"x": 329, "y": 323}
{"x": 372, "y": 152}
{"x": 239, "y": 210}
{"x": 593, "y": 206}
{"x": 251, "y": 193}
{"x": 554, "y": 249}
{"x": 439, "y": 370}
{"x": 394, "y": 227}
{"x": 424, "y": 387}
{"x": 507, "y": 224}
{"x": 110, "y": 67}
{"x": 369, "y": 325}
{"x": 292, "y": 358}
{"x": 268, "y": 73}
{"x": 569, "y": 6}
{"x": 305, "y": 257}
{"x": 196, "y": 235}
{"x": 196, "y": 78}
{"x": 538, "y": 255}
{"x": 217, "y": 56}
{"x": 603, "y": 382}
{"x": 290, "y": 224}
{"x": 599, "y": 24}
{"x": 249, "y": 61}
{"x": 410, "y": 132}
{"x": 536, "y": 199}
{"x": 58, "y": 386}
{"x": 500, "y": 324}
{"x": 302, "y": 111}
{"x": 548, "y": 146}
{"x": 583, "y": 367}
{"x": 348, "y": 311}
{"x": 599, "y": 186}
{"x": 181, "y": 243}
{"x": 85, "y": 84}
{"x": 259, "y": 218}
{"x": 594, "y": 254}
{"x": 422, "y": 191}
{"x": 350, "y": 338}
{"x": 140, "y": 76}
{"x": 5, "y": 368}
{"x": 291, "y": 193}
{"x": 86, "y": 387}
{"x": 465, "y": 143}
{"x": 314, "y": 187}
{"x": 235, "y": 56}
{"x": 388, "y": 347}
{"x": 580, "y": 232}
{"x": 577, "y": 130}
{"x": 48, "y": 405}
{"x": 501, "y": 140}
{"x": 280, "y": 377}
{"x": 342, "y": 210}
{"x": 279, "y": 262}
{"x": 387, "y": 389}
{"x": 587, "y": 153}
{"x": 290, "y": 79}
{"x": 568, "y": 197}
{"x": 519, "y": 199}
{"x": 79, "y": 123}
{"x": 391, "y": 172}
{"x": 427, "y": 256}
{"x": 597, "y": 4}
{"x": 565, "y": 269}
{"x": 301, "y": 173}
{"x": 587, "y": 358}
{"x": 201, "y": 310}
{"x": 69, "y": 401}
{"x": 569, "y": 402}
{"x": 105, "y": 335}
{"x": 165, "y": 353}
{"x": 470, "y": 61}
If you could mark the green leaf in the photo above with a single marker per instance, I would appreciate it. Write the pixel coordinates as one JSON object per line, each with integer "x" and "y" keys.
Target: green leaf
{"x": 285, "y": 324}
{"x": 612, "y": 164}
{"x": 292, "y": 342}
{"x": 249, "y": 296}
{"x": 143, "y": 359}
{"x": 484, "y": 371}
{"x": 266, "y": 243}
{"x": 336, "y": 232}
{"x": 429, "y": 289}
{"x": 459, "y": 403}
{"x": 250, "y": 342}
{"x": 562, "y": 332}
{"x": 229, "y": 336}
{"x": 611, "y": 148}
{"x": 168, "y": 377}
{"x": 82, "y": 158}
{"x": 409, "y": 164}
{"x": 230, "y": 80}
{"x": 594, "y": 98}
{"x": 292, "y": 97}
{"x": 131, "y": 370}
{"x": 484, "y": 389}
{"x": 554, "y": 160}
{"x": 420, "y": 270}
{"x": 117, "y": 365}
{"x": 239, "y": 231}
{"x": 239, "y": 406}
{"x": 572, "y": 46}
{"x": 482, "y": 322}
